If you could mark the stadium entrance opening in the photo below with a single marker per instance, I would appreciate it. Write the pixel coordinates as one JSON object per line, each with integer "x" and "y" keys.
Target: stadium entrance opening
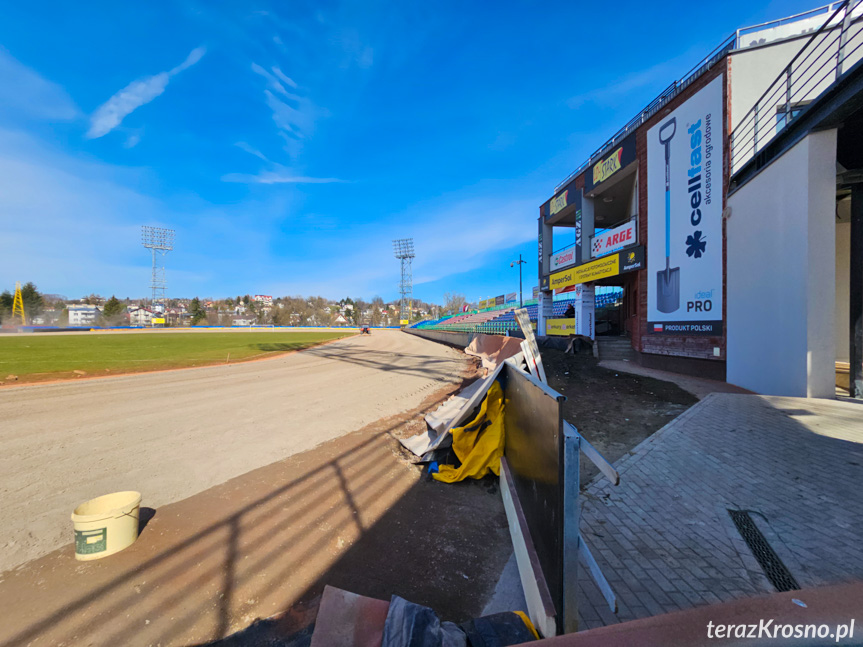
{"x": 615, "y": 306}
{"x": 615, "y": 227}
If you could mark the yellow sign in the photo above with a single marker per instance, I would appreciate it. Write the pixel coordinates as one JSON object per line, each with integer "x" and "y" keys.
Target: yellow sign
{"x": 607, "y": 167}
{"x": 404, "y": 322}
{"x": 559, "y": 203}
{"x": 560, "y": 327}
{"x": 158, "y": 320}
{"x": 593, "y": 271}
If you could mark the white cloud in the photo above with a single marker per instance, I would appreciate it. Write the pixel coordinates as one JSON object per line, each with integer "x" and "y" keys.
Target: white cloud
{"x": 111, "y": 114}
{"x": 293, "y": 114}
{"x": 495, "y": 223}
{"x": 445, "y": 245}
{"x": 284, "y": 78}
{"x": 275, "y": 79}
{"x": 72, "y": 226}
{"x": 251, "y": 151}
{"x": 277, "y": 177}
{"x": 24, "y": 93}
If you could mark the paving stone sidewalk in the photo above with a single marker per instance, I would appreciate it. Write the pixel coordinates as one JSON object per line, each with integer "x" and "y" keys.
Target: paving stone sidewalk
{"x": 664, "y": 537}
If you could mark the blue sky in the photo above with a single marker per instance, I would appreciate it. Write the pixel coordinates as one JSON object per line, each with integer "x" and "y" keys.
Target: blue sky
{"x": 287, "y": 143}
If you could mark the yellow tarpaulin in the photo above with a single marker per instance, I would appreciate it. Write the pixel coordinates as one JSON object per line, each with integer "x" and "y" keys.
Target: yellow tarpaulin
{"x": 479, "y": 444}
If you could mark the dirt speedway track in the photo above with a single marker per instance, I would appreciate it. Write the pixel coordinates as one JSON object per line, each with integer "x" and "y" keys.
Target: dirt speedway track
{"x": 175, "y": 433}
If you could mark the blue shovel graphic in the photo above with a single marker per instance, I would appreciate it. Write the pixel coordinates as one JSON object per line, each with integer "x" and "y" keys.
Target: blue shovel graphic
{"x": 668, "y": 280}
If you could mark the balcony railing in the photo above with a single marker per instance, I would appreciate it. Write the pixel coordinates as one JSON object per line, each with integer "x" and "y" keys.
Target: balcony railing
{"x": 828, "y": 54}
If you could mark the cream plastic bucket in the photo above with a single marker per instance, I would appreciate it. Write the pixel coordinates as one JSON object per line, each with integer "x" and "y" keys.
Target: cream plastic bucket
{"x": 106, "y": 525}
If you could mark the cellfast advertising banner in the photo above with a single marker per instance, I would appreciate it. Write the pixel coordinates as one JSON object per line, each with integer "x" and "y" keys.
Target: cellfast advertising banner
{"x": 684, "y": 224}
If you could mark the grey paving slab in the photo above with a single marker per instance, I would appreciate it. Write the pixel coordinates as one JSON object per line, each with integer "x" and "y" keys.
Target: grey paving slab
{"x": 665, "y": 533}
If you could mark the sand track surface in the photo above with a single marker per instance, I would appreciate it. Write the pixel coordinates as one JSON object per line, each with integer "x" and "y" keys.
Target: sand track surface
{"x": 175, "y": 433}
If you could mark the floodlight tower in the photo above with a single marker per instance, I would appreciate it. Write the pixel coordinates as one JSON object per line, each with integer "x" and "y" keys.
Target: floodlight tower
{"x": 159, "y": 241}
{"x": 404, "y": 251}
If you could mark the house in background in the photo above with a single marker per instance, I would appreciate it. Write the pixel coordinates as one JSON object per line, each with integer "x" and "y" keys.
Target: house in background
{"x": 83, "y": 315}
{"x": 140, "y": 317}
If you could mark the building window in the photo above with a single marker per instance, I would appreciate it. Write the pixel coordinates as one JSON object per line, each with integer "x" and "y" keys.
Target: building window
{"x": 785, "y": 113}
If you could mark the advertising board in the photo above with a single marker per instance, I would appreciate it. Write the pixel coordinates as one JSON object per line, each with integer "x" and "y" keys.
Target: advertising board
{"x": 613, "y": 240}
{"x": 627, "y": 260}
{"x": 684, "y": 224}
{"x": 563, "y": 258}
{"x": 558, "y": 203}
{"x": 512, "y": 297}
{"x": 581, "y": 324}
{"x": 611, "y": 163}
{"x": 499, "y": 300}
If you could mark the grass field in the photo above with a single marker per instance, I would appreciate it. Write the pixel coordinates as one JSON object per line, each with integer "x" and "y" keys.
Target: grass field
{"x": 43, "y": 356}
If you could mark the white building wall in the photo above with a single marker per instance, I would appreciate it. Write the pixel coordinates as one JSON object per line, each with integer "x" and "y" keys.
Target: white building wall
{"x": 821, "y": 292}
{"x": 843, "y": 294}
{"x": 752, "y": 72}
{"x": 781, "y": 273}
{"x": 82, "y": 315}
{"x": 755, "y": 70}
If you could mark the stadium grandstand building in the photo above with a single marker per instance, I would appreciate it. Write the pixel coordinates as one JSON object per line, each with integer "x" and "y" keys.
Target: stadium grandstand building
{"x": 720, "y": 231}
{"x": 720, "y": 278}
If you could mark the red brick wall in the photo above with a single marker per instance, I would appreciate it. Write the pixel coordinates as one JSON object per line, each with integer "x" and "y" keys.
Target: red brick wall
{"x": 644, "y": 341}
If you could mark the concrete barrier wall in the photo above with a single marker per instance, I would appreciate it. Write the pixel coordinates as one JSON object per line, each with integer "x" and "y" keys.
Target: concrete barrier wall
{"x": 458, "y": 339}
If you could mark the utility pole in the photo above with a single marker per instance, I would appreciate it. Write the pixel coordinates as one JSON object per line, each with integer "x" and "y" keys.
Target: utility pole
{"x": 519, "y": 262}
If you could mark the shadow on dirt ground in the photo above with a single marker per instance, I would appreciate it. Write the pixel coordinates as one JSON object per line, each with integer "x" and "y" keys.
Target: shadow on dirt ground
{"x": 614, "y": 411}
{"x": 353, "y": 513}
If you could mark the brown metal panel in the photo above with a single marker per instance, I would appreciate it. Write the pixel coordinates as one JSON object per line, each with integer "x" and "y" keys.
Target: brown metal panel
{"x": 534, "y": 446}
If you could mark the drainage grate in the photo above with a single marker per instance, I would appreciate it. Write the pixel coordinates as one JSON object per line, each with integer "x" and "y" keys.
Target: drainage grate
{"x": 773, "y": 568}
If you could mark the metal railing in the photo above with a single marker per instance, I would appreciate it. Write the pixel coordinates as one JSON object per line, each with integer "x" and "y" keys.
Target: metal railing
{"x": 654, "y": 106}
{"x": 731, "y": 43}
{"x": 828, "y": 53}
{"x": 788, "y": 20}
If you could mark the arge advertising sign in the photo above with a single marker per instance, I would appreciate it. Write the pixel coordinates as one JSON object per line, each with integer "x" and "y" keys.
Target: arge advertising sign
{"x": 511, "y": 297}
{"x": 613, "y": 240}
{"x": 684, "y": 224}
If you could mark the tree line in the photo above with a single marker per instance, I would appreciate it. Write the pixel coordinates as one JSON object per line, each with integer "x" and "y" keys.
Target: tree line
{"x": 285, "y": 311}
